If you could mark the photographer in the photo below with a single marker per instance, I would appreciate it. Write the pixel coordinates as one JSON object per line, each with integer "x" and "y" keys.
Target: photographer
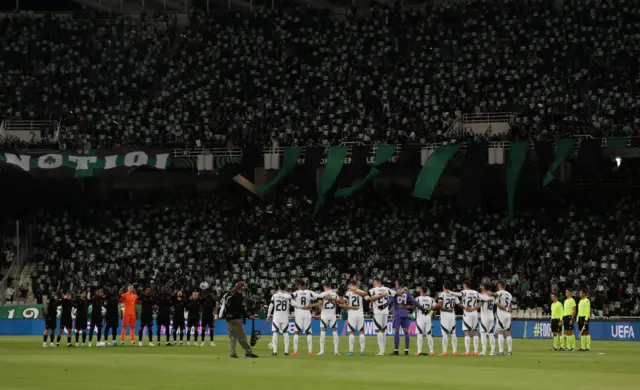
{"x": 233, "y": 311}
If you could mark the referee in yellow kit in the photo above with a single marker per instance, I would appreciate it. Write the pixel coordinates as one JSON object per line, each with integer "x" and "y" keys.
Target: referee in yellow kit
{"x": 556, "y": 321}
{"x": 584, "y": 313}
{"x": 569, "y": 322}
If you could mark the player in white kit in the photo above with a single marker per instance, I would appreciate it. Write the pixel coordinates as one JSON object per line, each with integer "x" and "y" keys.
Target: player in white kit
{"x": 469, "y": 300}
{"x": 302, "y": 317}
{"x": 503, "y": 303}
{"x": 487, "y": 319}
{"x": 354, "y": 302}
{"x": 328, "y": 306}
{"x": 279, "y": 308}
{"x": 447, "y": 303}
{"x": 424, "y": 305}
{"x": 378, "y": 296}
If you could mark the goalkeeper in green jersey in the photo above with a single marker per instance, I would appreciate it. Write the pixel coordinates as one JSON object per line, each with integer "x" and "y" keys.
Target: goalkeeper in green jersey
{"x": 584, "y": 313}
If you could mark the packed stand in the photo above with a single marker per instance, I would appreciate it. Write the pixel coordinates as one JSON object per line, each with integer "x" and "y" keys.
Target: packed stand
{"x": 179, "y": 241}
{"x": 91, "y": 71}
{"x": 301, "y": 76}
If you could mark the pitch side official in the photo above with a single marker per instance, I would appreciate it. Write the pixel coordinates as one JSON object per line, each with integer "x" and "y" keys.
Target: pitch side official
{"x": 234, "y": 312}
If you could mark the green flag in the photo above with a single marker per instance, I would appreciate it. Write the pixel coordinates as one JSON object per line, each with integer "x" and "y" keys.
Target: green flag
{"x": 563, "y": 148}
{"x": 335, "y": 161}
{"x": 384, "y": 153}
{"x": 291, "y": 156}
{"x": 432, "y": 170}
{"x": 517, "y": 157}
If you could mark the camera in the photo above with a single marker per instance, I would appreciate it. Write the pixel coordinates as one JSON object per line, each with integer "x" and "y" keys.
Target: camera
{"x": 255, "y": 336}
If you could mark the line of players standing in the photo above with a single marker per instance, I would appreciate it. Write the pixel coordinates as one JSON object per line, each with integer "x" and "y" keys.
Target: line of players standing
{"x": 168, "y": 310}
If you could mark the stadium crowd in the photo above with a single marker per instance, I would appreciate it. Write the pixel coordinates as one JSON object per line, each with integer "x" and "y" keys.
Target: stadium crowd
{"x": 180, "y": 241}
{"x": 301, "y": 76}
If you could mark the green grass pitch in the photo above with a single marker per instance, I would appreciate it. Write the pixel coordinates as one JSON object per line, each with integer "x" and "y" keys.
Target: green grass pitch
{"x": 24, "y": 364}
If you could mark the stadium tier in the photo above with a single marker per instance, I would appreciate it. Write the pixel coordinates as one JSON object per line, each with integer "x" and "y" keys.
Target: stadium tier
{"x": 300, "y": 76}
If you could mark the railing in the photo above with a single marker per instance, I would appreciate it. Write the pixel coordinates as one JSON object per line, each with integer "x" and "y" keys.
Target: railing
{"x": 486, "y": 117}
{"x": 236, "y": 152}
{"x": 21, "y": 125}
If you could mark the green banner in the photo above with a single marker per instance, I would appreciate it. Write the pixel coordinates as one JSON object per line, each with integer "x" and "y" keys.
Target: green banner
{"x": 563, "y": 148}
{"x": 290, "y": 161}
{"x": 432, "y": 170}
{"x": 335, "y": 161}
{"x": 19, "y": 312}
{"x": 517, "y": 156}
{"x": 98, "y": 162}
{"x": 616, "y": 142}
{"x": 384, "y": 153}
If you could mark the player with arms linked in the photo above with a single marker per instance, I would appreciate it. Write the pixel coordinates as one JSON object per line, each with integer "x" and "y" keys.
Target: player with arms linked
{"x": 66, "y": 319}
{"x": 82, "y": 317}
{"x": 208, "y": 315}
{"x": 50, "y": 318}
{"x": 424, "y": 303}
{"x": 147, "y": 303}
{"x": 112, "y": 300}
{"x": 163, "y": 318}
{"x": 328, "y": 318}
{"x": 97, "y": 304}
{"x": 193, "y": 318}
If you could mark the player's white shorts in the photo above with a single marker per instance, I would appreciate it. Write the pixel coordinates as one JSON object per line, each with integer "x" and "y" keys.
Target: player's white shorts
{"x": 470, "y": 321}
{"x": 487, "y": 324}
{"x": 423, "y": 325}
{"x": 448, "y": 323}
{"x": 328, "y": 322}
{"x": 504, "y": 320}
{"x": 380, "y": 321}
{"x": 355, "y": 322}
{"x": 303, "y": 324}
{"x": 280, "y": 325}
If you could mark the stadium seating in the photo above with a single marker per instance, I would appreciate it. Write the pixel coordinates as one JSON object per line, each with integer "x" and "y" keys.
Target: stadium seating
{"x": 300, "y": 76}
{"x": 182, "y": 240}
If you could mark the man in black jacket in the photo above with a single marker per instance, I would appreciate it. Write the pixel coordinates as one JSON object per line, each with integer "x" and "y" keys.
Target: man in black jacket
{"x": 234, "y": 312}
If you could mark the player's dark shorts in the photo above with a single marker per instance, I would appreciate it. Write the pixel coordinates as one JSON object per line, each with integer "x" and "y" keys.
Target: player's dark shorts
{"x": 556, "y": 325}
{"x": 193, "y": 323}
{"x": 567, "y": 325}
{"x": 146, "y": 321}
{"x": 583, "y": 324}
{"x": 81, "y": 323}
{"x": 66, "y": 323}
{"x": 163, "y": 321}
{"x": 51, "y": 323}
{"x": 96, "y": 323}
{"x": 208, "y": 321}
{"x": 178, "y": 323}
{"x": 111, "y": 323}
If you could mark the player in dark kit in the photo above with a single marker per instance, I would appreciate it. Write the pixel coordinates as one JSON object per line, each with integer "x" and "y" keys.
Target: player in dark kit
{"x": 146, "y": 316}
{"x": 163, "y": 319}
{"x": 193, "y": 319}
{"x": 66, "y": 319}
{"x": 178, "y": 316}
{"x": 97, "y": 303}
{"x": 208, "y": 314}
{"x": 82, "y": 317}
{"x": 50, "y": 322}
{"x": 111, "y": 317}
